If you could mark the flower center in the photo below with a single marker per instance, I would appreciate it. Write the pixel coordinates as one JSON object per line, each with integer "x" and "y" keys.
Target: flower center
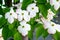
{"x": 22, "y": 13}
{"x": 22, "y": 26}
{"x": 28, "y": 13}
{"x": 10, "y": 13}
{"x": 23, "y": 19}
{"x": 52, "y": 24}
{"x": 32, "y": 8}
{"x": 57, "y": 0}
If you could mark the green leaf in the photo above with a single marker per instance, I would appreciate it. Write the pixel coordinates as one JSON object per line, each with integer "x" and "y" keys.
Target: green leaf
{"x": 26, "y": 3}
{"x": 6, "y": 10}
{"x": 11, "y": 26}
{"x": 16, "y": 1}
{"x": 15, "y": 24}
{"x": 54, "y": 11}
{"x": 8, "y": 3}
{"x": 0, "y": 1}
{"x": 43, "y": 9}
{"x": 2, "y": 22}
{"x": 45, "y": 34}
{"x": 6, "y": 33}
{"x": 1, "y": 11}
{"x": 39, "y": 30}
{"x": 30, "y": 34}
{"x": 56, "y": 36}
{"x": 41, "y": 1}
{"x": 17, "y": 36}
{"x": 37, "y": 16}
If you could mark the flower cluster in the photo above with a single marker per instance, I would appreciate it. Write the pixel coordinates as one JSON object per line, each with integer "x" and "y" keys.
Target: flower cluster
{"x": 23, "y": 16}
{"x": 49, "y": 25}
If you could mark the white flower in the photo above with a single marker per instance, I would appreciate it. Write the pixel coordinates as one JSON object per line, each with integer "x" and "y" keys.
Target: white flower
{"x": 51, "y": 26}
{"x": 33, "y": 9}
{"x": 1, "y": 16}
{"x": 11, "y": 16}
{"x": 56, "y": 4}
{"x": 24, "y": 28}
{"x": 23, "y": 15}
{"x": 50, "y": 15}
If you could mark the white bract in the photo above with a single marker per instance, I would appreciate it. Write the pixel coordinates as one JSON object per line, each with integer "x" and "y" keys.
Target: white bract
{"x": 24, "y": 28}
{"x": 1, "y": 32}
{"x": 50, "y": 15}
{"x": 23, "y": 15}
{"x": 11, "y": 15}
{"x": 21, "y": 0}
{"x": 56, "y": 4}
{"x": 51, "y": 26}
{"x": 33, "y": 9}
{"x": 1, "y": 16}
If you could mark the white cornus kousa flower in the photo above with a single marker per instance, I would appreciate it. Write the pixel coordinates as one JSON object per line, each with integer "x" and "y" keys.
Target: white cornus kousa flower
{"x": 11, "y": 15}
{"x": 51, "y": 26}
{"x": 23, "y": 15}
{"x": 33, "y": 9}
{"x": 24, "y": 28}
{"x": 50, "y": 15}
{"x": 56, "y": 4}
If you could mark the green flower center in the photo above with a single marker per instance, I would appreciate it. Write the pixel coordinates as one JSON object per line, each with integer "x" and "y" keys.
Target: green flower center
{"x": 32, "y": 8}
{"x": 22, "y": 13}
{"x": 10, "y": 13}
{"x": 52, "y": 24}
{"x": 57, "y": 0}
{"x": 22, "y": 26}
{"x": 28, "y": 13}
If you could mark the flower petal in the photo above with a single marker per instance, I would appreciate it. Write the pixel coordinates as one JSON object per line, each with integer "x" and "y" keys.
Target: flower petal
{"x": 27, "y": 27}
{"x": 56, "y": 5}
{"x": 7, "y": 15}
{"x": 20, "y": 29}
{"x": 32, "y": 14}
{"x": 57, "y": 27}
{"x": 50, "y": 15}
{"x": 20, "y": 17}
{"x": 14, "y": 15}
{"x": 10, "y": 19}
{"x": 24, "y": 32}
{"x": 46, "y": 23}
{"x": 26, "y": 18}
{"x": 23, "y": 23}
{"x": 51, "y": 30}
{"x": 1, "y": 16}
{"x": 52, "y": 2}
